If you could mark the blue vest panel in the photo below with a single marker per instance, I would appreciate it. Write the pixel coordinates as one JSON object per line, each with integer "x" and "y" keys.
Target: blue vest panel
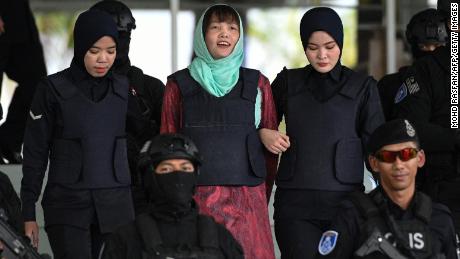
{"x": 326, "y": 150}
{"x": 224, "y": 131}
{"x": 90, "y": 150}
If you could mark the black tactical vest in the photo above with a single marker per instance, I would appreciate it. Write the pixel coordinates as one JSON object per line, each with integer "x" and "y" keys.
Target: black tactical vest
{"x": 223, "y": 128}
{"x": 208, "y": 240}
{"x": 412, "y": 237}
{"x": 326, "y": 150}
{"x": 90, "y": 150}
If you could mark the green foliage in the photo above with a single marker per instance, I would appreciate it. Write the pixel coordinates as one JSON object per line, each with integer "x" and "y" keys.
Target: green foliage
{"x": 57, "y": 23}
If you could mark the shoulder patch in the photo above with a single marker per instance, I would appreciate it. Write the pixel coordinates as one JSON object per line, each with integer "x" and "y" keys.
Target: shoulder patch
{"x": 327, "y": 242}
{"x": 412, "y": 85}
{"x": 401, "y": 94}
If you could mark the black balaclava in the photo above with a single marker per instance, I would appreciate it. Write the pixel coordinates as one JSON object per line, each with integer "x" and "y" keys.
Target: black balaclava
{"x": 122, "y": 62}
{"x": 172, "y": 193}
{"x": 321, "y": 19}
{"x": 90, "y": 26}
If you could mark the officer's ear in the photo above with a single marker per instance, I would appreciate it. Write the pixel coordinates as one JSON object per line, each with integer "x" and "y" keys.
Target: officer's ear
{"x": 421, "y": 158}
{"x": 373, "y": 162}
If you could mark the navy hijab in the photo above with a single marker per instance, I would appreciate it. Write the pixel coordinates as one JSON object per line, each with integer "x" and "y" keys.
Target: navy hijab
{"x": 90, "y": 26}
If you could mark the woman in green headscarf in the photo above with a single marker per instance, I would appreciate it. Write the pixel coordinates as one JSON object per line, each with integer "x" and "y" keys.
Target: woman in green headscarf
{"x": 220, "y": 105}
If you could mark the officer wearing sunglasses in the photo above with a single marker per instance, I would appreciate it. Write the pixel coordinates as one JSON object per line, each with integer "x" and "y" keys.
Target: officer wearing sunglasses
{"x": 394, "y": 220}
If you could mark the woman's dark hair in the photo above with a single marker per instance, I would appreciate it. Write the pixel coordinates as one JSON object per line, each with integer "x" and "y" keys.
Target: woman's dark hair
{"x": 223, "y": 13}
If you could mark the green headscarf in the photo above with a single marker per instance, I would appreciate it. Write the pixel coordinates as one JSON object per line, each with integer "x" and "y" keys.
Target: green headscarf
{"x": 217, "y": 77}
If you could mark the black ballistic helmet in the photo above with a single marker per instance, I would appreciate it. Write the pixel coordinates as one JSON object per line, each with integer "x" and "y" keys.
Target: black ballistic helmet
{"x": 168, "y": 146}
{"x": 427, "y": 26}
{"x": 120, "y": 13}
{"x": 444, "y": 7}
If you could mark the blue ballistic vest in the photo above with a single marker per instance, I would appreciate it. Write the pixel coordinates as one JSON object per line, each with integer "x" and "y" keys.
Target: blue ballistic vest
{"x": 90, "y": 150}
{"x": 224, "y": 131}
{"x": 326, "y": 151}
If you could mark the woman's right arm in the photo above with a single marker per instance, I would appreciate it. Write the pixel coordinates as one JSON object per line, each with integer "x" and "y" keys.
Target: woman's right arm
{"x": 37, "y": 138}
{"x": 171, "y": 112}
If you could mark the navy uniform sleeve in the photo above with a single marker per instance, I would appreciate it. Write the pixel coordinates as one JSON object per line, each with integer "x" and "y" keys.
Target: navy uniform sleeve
{"x": 37, "y": 137}
{"x": 279, "y": 91}
{"x": 415, "y": 103}
{"x": 346, "y": 224}
{"x": 371, "y": 114}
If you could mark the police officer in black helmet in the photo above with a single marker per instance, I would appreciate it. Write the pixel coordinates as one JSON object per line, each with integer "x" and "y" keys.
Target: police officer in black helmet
{"x": 394, "y": 220}
{"x": 145, "y": 97}
{"x": 426, "y": 101}
{"x": 425, "y": 32}
{"x": 172, "y": 228}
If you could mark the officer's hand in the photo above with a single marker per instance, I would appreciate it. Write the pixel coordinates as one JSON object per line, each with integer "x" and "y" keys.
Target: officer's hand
{"x": 31, "y": 229}
{"x": 2, "y": 26}
{"x": 274, "y": 141}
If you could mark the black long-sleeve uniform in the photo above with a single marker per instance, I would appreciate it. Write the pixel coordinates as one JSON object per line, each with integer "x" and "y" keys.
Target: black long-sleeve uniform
{"x": 426, "y": 101}
{"x": 337, "y": 111}
{"x": 63, "y": 204}
{"x": 178, "y": 234}
{"x": 350, "y": 223}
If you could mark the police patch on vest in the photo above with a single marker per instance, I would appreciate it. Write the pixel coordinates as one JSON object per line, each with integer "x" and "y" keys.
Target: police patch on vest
{"x": 412, "y": 85}
{"x": 327, "y": 242}
{"x": 401, "y": 94}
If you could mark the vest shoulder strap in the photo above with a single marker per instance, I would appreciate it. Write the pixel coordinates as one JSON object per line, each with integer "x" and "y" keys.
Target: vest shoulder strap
{"x": 355, "y": 83}
{"x": 149, "y": 232}
{"x": 364, "y": 204}
{"x": 185, "y": 82}
{"x": 208, "y": 234}
{"x": 62, "y": 85}
{"x": 295, "y": 75}
{"x": 250, "y": 83}
{"x": 423, "y": 207}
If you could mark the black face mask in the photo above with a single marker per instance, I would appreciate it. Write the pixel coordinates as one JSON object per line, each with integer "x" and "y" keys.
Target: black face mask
{"x": 177, "y": 189}
{"x": 124, "y": 39}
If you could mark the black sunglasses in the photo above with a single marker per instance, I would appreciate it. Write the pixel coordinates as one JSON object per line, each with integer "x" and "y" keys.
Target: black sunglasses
{"x": 390, "y": 156}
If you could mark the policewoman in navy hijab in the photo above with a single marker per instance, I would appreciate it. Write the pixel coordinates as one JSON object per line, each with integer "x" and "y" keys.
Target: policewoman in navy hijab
{"x": 77, "y": 121}
{"x": 220, "y": 105}
{"x": 330, "y": 112}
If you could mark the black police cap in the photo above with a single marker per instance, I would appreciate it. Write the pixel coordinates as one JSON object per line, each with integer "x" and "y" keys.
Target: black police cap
{"x": 392, "y": 132}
